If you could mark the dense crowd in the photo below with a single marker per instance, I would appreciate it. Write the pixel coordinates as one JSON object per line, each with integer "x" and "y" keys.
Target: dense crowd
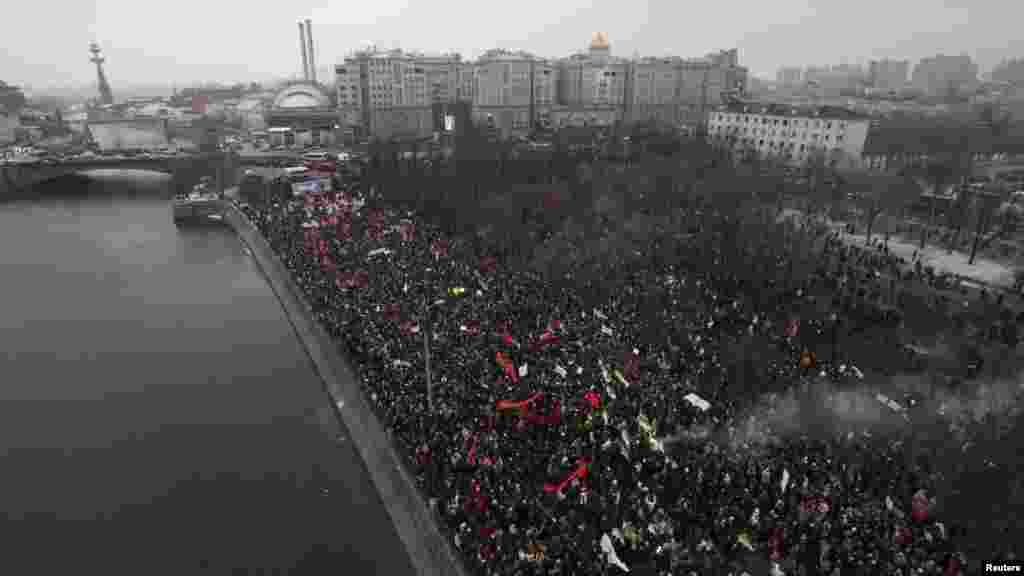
{"x": 557, "y": 436}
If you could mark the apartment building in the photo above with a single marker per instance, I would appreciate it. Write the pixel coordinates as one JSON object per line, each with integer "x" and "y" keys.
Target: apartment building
{"x": 653, "y": 90}
{"x": 389, "y": 94}
{"x": 443, "y": 75}
{"x": 789, "y": 76}
{"x": 888, "y": 75}
{"x": 513, "y": 90}
{"x": 792, "y": 135}
{"x": 943, "y": 75}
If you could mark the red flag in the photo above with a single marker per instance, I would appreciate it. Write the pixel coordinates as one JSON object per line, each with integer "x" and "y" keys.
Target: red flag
{"x": 508, "y": 366}
{"x": 327, "y": 263}
{"x": 552, "y": 418}
{"x": 581, "y": 472}
{"x": 477, "y": 501}
{"x": 361, "y": 279}
{"x": 902, "y": 537}
{"x": 631, "y": 367}
{"x": 392, "y": 312}
{"x": 408, "y": 328}
{"x": 471, "y": 444}
{"x": 813, "y": 504}
{"x": 793, "y": 328}
{"x": 775, "y": 545}
{"x": 407, "y": 230}
{"x": 471, "y": 327}
{"x": 920, "y": 507}
{"x": 505, "y": 335}
{"x": 488, "y": 264}
{"x": 423, "y": 455}
{"x": 552, "y": 200}
{"x": 593, "y": 400}
{"x": 375, "y": 217}
{"x": 953, "y": 567}
{"x": 439, "y": 248}
{"x": 344, "y": 230}
{"x": 520, "y": 405}
{"x": 343, "y": 280}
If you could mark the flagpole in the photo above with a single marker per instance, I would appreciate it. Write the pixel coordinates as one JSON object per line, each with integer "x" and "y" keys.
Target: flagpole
{"x": 426, "y": 355}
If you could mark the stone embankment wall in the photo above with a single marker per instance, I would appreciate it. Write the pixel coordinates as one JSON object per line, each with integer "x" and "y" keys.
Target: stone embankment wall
{"x": 427, "y": 547}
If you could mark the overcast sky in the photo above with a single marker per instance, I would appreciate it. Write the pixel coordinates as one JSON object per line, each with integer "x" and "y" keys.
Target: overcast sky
{"x": 183, "y": 41}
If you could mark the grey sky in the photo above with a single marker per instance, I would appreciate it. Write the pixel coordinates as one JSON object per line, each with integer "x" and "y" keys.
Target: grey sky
{"x": 184, "y": 41}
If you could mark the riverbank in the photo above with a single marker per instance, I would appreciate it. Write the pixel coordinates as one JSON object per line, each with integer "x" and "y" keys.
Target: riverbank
{"x": 428, "y": 549}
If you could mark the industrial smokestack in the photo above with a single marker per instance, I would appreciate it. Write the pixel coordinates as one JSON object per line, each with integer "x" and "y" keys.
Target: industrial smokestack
{"x": 312, "y": 58}
{"x": 305, "y": 58}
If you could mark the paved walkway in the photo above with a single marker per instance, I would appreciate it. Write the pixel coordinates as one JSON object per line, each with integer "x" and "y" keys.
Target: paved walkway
{"x": 983, "y": 270}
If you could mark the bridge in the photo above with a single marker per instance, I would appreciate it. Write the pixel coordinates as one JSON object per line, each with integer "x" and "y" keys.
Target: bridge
{"x": 185, "y": 170}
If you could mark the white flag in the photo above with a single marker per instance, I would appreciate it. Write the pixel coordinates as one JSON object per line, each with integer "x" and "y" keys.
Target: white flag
{"x": 609, "y": 553}
{"x": 523, "y": 371}
{"x": 697, "y": 402}
{"x": 785, "y": 480}
{"x": 892, "y": 404}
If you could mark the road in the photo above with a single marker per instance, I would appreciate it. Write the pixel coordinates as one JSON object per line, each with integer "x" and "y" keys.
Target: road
{"x": 157, "y": 414}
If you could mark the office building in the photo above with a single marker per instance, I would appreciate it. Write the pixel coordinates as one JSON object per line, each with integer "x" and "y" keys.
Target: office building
{"x": 389, "y": 94}
{"x": 791, "y": 135}
{"x": 888, "y": 75}
{"x": 941, "y": 76}
{"x": 789, "y": 76}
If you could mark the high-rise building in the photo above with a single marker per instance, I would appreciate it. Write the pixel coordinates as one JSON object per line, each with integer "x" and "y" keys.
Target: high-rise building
{"x": 1009, "y": 71}
{"x": 389, "y": 94}
{"x": 792, "y": 135}
{"x": 943, "y": 75}
{"x": 888, "y": 75}
{"x": 442, "y": 76}
{"x": 593, "y": 78}
{"x": 512, "y": 90}
{"x": 789, "y": 76}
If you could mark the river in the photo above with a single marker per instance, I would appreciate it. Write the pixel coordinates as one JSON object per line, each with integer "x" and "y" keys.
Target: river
{"x": 157, "y": 414}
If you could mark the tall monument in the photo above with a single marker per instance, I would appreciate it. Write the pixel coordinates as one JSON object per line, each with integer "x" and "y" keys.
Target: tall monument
{"x": 106, "y": 96}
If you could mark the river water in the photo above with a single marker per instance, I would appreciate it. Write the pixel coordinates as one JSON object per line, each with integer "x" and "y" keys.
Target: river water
{"x": 157, "y": 414}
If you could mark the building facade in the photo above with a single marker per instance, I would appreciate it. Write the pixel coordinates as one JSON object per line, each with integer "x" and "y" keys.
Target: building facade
{"x": 888, "y": 75}
{"x": 943, "y": 75}
{"x": 789, "y": 76}
{"x": 790, "y": 135}
{"x": 512, "y": 91}
{"x": 9, "y": 126}
{"x": 386, "y": 94}
{"x": 301, "y": 115}
{"x": 391, "y": 94}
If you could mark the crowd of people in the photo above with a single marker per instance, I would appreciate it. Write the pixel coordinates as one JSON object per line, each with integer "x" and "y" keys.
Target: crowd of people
{"x": 553, "y": 436}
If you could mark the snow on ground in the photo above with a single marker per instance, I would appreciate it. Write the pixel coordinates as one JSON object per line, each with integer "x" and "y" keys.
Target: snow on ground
{"x": 983, "y": 270}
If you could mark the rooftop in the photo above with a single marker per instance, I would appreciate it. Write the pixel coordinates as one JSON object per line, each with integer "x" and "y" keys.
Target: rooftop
{"x": 774, "y": 109}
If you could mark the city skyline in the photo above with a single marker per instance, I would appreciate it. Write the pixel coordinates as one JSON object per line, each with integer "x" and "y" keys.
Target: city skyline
{"x": 263, "y": 45}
